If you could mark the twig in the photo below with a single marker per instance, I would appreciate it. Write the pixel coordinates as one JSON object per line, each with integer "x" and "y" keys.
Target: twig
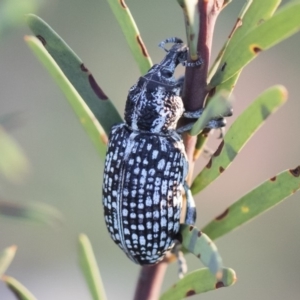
{"x": 150, "y": 281}
{"x": 195, "y": 90}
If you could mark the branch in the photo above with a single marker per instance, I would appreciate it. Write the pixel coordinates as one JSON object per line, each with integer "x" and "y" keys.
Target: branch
{"x": 195, "y": 90}
{"x": 150, "y": 281}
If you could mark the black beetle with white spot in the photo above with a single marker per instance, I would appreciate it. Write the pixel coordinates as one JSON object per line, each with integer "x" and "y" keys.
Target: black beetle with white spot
{"x": 146, "y": 164}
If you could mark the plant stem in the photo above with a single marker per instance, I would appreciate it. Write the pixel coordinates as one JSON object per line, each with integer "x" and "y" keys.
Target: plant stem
{"x": 195, "y": 92}
{"x": 195, "y": 89}
{"x": 150, "y": 281}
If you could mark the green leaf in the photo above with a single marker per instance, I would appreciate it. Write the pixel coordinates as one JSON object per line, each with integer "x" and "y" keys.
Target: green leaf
{"x": 237, "y": 27}
{"x": 198, "y": 282}
{"x": 283, "y": 24}
{"x": 12, "y": 13}
{"x": 90, "y": 269}
{"x": 262, "y": 198}
{"x": 13, "y": 163}
{"x": 254, "y": 13}
{"x": 35, "y": 212}
{"x": 86, "y": 117}
{"x": 200, "y": 144}
{"x": 202, "y": 247}
{"x": 219, "y": 105}
{"x": 19, "y": 290}
{"x": 76, "y": 72}
{"x": 6, "y": 257}
{"x": 229, "y": 84}
{"x": 191, "y": 25}
{"x": 132, "y": 34}
{"x": 238, "y": 134}
{"x": 225, "y": 3}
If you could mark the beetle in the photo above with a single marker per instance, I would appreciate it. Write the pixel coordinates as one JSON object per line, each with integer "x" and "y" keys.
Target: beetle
{"x": 146, "y": 163}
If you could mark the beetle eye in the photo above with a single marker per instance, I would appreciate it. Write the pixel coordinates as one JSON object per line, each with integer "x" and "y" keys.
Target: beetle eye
{"x": 166, "y": 73}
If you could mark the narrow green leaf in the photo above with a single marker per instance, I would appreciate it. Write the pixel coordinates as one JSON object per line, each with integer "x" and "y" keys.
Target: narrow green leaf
{"x": 238, "y": 134}
{"x": 6, "y": 257}
{"x": 219, "y": 105}
{"x": 191, "y": 25}
{"x": 76, "y": 72}
{"x": 200, "y": 144}
{"x": 225, "y": 3}
{"x": 12, "y": 13}
{"x": 198, "y": 282}
{"x": 132, "y": 34}
{"x": 90, "y": 269}
{"x": 202, "y": 247}
{"x": 35, "y": 212}
{"x": 259, "y": 200}
{"x": 236, "y": 27}
{"x": 254, "y": 13}
{"x": 13, "y": 163}
{"x": 283, "y": 24}
{"x": 86, "y": 117}
{"x": 19, "y": 290}
{"x": 229, "y": 84}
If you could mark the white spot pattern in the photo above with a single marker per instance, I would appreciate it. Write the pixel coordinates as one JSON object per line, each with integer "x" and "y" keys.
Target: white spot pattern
{"x": 160, "y": 203}
{"x": 144, "y": 172}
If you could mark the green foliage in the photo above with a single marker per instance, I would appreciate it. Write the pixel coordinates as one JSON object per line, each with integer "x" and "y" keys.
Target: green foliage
{"x": 252, "y": 15}
{"x": 132, "y": 34}
{"x": 202, "y": 247}
{"x": 259, "y": 200}
{"x": 6, "y": 257}
{"x": 79, "y": 76}
{"x": 198, "y": 282}
{"x": 14, "y": 166}
{"x": 87, "y": 119}
{"x": 219, "y": 105}
{"x": 283, "y": 24}
{"x": 19, "y": 290}
{"x": 13, "y": 162}
{"x": 34, "y": 212}
{"x": 239, "y": 134}
{"x": 12, "y": 13}
{"x": 191, "y": 25}
{"x": 89, "y": 268}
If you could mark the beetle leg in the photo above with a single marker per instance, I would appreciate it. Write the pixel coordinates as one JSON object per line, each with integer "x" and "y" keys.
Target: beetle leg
{"x": 191, "y": 213}
{"x": 197, "y": 114}
{"x": 169, "y": 40}
{"x": 182, "y": 266}
{"x": 192, "y": 64}
{"x": 202, "y": 247}
{"x": 193, "y": 114}
{"x": 212, "y": 124}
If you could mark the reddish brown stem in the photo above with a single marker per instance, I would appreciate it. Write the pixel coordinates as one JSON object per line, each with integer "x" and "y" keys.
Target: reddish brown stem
{"x": 150, "y": 278}
{"x": 150, "y": 281}
{"x": 195, "y": 90}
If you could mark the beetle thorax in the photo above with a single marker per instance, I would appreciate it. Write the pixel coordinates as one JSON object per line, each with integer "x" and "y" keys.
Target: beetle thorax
{"x": 153, "y": 108}
{"x": 153, "y": 103}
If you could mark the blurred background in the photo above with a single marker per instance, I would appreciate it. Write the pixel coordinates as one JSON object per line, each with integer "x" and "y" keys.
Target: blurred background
{"x": 66, "y": 172}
